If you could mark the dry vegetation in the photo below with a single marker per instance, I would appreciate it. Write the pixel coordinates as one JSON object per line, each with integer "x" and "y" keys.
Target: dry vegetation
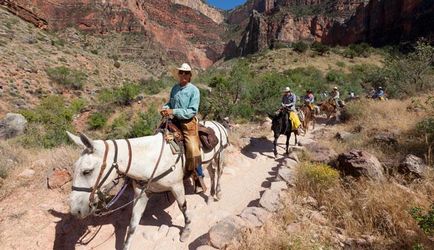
{"x": 357, "y": 213}
{"x": 15, "y": 159}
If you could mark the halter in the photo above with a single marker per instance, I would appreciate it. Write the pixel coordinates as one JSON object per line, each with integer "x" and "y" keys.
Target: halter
{"x": 99, "y": 182}
{"x": 144, "y": 184}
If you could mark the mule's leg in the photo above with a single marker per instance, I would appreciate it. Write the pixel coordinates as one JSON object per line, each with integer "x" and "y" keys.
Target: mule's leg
{"x": 288, "y": 136}
{"x": 275, "y": 146}
{"x": 219, "y": 160}
{"x": 138, "y": 209}
{"x": 179, "y": 193}
{"x": 212, "y": 176}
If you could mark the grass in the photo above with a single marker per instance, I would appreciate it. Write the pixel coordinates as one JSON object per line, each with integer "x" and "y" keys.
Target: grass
{"x": 382, "y": 210}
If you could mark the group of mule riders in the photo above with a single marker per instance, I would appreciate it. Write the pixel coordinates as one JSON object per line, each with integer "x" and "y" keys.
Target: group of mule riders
{"x": 183, "y": 107}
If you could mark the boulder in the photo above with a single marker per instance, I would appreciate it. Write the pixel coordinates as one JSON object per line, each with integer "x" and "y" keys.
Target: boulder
{"x": 293, "y": 228}
{"x": 386, "y": 138}
{"x": 226, "y": 230}
{"x": 358, "y": 163}
{"x": 27, "y": 173}
{"x": 270, "y": 200}
{"x": 287, "y": 175}
{"x": 58, "y": 178}
{"x": 344, "y": 136}
{"x": 12, "y": 125}
{"x": 279, "y": 185}
{"x": 414, "y": 166}
{"x": 320, "y": 153}
{"x": 255, "y": 216}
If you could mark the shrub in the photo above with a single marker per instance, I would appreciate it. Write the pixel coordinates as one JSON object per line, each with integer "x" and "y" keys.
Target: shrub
{"x": 48, "y": 123}
{"x": 97, "y": 120}
{"x": 318, "y": 176}
{"x": 340, "y": 64}
{"x": 119, "y": 127}
{"x": 300, "y": 47}
{"x": 407, "y": 74}
{"x": 120, "y": 96}
{"x": 146, "y": 124}
{"x": 425, "y": 221}
{"x": 69, "y": 78}
{"x": 152, "y": 86}
{"x": 320, "y": 48}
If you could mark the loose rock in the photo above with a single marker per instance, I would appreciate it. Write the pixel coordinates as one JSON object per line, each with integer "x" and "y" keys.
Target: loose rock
{"x": 360, "y": 163}
{"x": 27, "y": 173}
{"x": 255, "y": 216}
{"x": 225, "y": 231}
{"x": 414, "y": 166}
{"x": 270, "y": 200}
{"x": 58, "y": 178}
{"x": 320, "y": 153}
{"x": 12, "y": 125}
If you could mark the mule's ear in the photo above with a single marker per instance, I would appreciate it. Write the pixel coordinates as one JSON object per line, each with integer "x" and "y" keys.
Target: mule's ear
{"x": 75, "y": 139}
{"x": 86, "y": 141}
{"x": 271, "y": 116}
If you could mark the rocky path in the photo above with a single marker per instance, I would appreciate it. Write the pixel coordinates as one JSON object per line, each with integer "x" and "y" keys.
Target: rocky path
{"x": 248, "y": 172}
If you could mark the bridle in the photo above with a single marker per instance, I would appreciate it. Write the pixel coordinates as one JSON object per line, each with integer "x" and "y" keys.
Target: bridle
{"x": 96, "y": 189}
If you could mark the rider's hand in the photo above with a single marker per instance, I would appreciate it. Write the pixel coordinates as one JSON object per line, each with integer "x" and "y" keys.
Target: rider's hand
{"x": 166, "y": 112}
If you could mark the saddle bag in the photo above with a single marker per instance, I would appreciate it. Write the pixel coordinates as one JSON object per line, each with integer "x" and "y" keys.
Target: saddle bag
{"x": 208, "y": 138}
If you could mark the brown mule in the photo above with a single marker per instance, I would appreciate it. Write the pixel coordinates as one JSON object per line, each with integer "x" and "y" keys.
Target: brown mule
{"x": 308, "y": 118}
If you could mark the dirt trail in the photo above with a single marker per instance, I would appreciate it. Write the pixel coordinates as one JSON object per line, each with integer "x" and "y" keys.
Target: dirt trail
{"x": 44, "y": 223}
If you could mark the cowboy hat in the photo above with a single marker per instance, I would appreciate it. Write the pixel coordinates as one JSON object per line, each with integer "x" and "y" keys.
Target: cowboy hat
{"x": 184, "y": 67}
{"x": 335, "y": 87}
{"x": 286, "y": 89}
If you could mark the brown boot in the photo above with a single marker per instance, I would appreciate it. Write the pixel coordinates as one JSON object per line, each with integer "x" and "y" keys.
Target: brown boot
{"x": 199, "y": 185}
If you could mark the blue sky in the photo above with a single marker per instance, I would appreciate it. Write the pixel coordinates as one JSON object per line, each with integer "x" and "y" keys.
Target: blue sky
{"x": 226, "y": 4}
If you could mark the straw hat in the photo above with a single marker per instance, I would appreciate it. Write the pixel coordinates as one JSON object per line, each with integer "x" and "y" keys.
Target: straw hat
{"x": 286, "y": 89}
{"x": 335, "y": 88}
{"x": 184, "y": 67}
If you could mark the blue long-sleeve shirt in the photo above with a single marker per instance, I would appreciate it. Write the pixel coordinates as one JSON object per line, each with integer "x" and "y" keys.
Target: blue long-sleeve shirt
{"x": 184, "y": 101}
{"x": 289, "y": 101}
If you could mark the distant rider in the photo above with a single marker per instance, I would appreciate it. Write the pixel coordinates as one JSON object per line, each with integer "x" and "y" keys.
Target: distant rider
{"x": 289, "y": 100}
{"x": 336, "y": 97}
{"x": 379, "y": 94}
{"x": 309, "y": 99}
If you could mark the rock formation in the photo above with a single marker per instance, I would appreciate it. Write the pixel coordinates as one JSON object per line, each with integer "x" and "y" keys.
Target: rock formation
{"x": 341, "y": 22}
{"x": 185, "y": 34}
{"x": 191, "y": 30}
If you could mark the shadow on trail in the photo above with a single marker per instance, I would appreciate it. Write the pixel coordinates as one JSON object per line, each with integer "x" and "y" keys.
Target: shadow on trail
{"x": 72, "y": 232}
{"x": 258, "y": 145}
{"x": 274, "y": 176}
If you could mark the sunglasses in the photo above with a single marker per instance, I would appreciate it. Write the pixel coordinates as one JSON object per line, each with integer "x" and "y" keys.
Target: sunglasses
{"x": 184, "y": 72}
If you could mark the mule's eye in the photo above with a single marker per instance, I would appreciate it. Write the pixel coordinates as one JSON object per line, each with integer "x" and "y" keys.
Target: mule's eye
{"x": 87, "y": 172}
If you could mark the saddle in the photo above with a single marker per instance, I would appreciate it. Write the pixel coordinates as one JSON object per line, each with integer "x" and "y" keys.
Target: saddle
{"x": 208, "y": 138}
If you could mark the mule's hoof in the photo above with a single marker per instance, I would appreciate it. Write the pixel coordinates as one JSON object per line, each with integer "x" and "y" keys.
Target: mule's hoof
{"x": 218, "y": 196}
{"x": 185, "y": 234}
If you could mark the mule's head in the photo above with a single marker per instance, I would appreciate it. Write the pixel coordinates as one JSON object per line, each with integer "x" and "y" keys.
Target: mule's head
{"x": 86, "y": 170}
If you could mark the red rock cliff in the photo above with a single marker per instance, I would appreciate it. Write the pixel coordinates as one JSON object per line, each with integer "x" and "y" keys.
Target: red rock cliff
{"x": 184, "y": 33}
{"x": 342, "y": 22}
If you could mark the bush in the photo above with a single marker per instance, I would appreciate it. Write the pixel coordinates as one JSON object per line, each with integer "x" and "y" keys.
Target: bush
{"x": 97, "y": 120}
{"x": 146, "y": 124}
{"x": 300, "y": 47}
{"x": 318, "y": 176}
{"x": 425, "y": 221}
{"x": 153, "y": 87}
{"x": 120, "y": 96}
{"x": 48, "y": 123}
{"x": 357, "y": 50}
{"x": 320, "y": 48}
{"x": 69, "y": 78}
